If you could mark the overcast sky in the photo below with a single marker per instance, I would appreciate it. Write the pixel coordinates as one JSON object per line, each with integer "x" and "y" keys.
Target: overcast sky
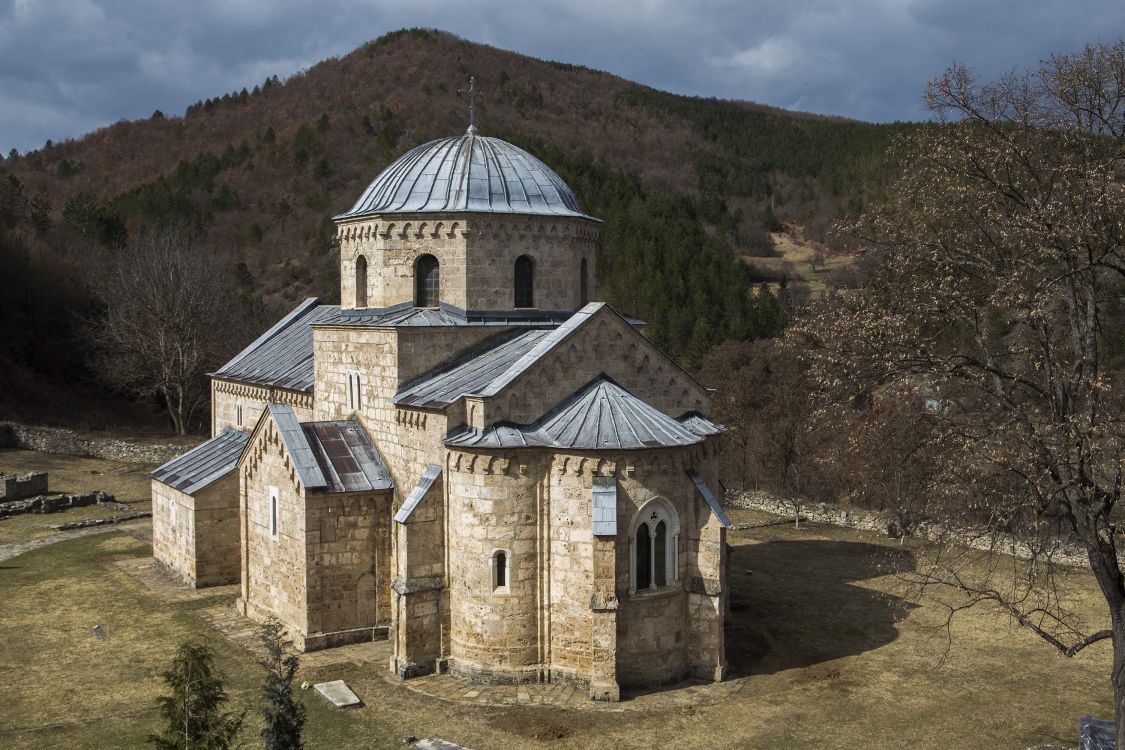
{"x": 70, "y": 66}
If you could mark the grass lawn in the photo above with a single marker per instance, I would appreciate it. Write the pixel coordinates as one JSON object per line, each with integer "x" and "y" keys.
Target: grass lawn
{"x": 128, "y": 483}
{"x": 794, "y": 253}
{"x": 827, "y": 654}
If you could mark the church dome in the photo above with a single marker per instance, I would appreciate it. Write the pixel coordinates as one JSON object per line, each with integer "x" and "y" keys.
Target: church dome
{"x": 467, "y": 173}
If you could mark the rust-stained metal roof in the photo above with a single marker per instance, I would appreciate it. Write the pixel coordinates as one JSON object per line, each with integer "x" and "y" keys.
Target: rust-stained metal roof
{"x": 204, "y": 463}
{"x": 467, "y": 173}
{"x": 347, "y": 459}
{"x": 600, "y": 415}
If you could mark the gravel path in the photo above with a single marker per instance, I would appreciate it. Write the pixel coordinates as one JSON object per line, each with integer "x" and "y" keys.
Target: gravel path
{"x": 8, "y": 551}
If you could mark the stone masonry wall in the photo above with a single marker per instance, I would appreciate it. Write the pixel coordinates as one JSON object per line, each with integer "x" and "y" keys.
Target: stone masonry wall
{"x": 273, "y": 567}
{"x": 71, "y": 443}
{"x": 608, "y": 344}
{"x": 494, "y": 508}
{"x": 476, "y": 255}
{"x": 227, "y": 396}
{"x": 197, "y": 538}
{"x": 556, "y": 247}
{"x": 17, "y": 487}
{"x": 348, "y": 554}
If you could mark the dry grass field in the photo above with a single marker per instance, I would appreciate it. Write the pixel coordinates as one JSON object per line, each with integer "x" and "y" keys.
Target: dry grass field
{"x": 825, "y": 651}
{"x": 794, "y": 254}
{"x": 72, "y": 475}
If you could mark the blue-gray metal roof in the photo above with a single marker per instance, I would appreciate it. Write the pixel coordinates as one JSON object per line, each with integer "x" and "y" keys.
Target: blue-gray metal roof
{"x": 712, "y": 501}
{"x": 471, "y": 373}
{"x": 282, "y": 357}
{"x": 700, "y": 424}
{"x": 297, "y": 444}
{"x": 604, "y": 506}
{"x": 346, "y": 457}
{"x": 600, "y": 415}
{"x": 204, "y": 463}
{"x": 467, "y": 173}
{"x": 429, "y": 476}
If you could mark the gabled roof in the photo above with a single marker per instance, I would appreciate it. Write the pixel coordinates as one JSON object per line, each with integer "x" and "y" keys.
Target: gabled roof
{"x": 489, "y": 369}
{"x": 334, "y": 456}
{"x": 282, "y": 357}
{"x": 600, "y": 415}
{"x": 204, "y": 463}
{"x": 471, "y": 373}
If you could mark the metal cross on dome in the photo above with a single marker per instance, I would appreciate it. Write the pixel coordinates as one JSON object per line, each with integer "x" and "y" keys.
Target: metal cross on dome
{"x": 472, "y": 92}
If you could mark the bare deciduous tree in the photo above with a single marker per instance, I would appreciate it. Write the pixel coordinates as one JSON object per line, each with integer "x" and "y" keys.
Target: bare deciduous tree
{"x": 168, "y": 317}
{"x": 999, "y": 298}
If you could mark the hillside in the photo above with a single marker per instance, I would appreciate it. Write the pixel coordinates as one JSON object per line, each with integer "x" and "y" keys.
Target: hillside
{"x": 684, "y": 185}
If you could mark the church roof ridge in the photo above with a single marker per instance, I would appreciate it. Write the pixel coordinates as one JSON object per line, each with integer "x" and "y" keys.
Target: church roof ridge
{"x": 600, "y": 415}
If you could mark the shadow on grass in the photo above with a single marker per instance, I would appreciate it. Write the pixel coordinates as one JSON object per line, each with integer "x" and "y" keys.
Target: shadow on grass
{"x": 794, "y": 603}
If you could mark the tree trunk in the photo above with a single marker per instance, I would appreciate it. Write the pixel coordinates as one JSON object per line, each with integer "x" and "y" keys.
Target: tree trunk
{"x": 1118, "y": 678}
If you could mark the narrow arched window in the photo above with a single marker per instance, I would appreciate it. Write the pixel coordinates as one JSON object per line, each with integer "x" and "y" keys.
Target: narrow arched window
{"x": 361, "y": 281}
{"x": 501, "y": 569}
{"x": 644, "y": 557}
{"x": 660, "y": 554}
{"x": 583, "y": 285}
{"x": 525, "y": 282}
{"x": 427, "y": 281}
{"x": 499, "y": 566}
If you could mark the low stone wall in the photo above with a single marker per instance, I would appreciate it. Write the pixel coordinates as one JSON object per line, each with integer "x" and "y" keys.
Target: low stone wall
{"x": 56, "y": 503}
{"x": 71, "y": 443}
{"x": 889, "y": 524}
{"x": 103, "y": 521}
{"x": 23, "y": 485}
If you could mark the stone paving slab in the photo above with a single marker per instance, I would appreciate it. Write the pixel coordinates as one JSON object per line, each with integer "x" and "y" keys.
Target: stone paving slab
{"x": 433, "y": 743}
{"x": 338, "y": 692}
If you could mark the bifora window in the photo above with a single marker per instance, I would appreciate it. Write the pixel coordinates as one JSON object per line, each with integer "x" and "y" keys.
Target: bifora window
{"x": 525, "y": 282}
{"x": 654, "y": 559}
{"x": 361, "y": 282}
{"x": 427, "y": 281}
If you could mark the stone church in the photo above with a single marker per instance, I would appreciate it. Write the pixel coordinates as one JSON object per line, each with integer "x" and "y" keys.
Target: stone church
{"x": 469, "y": 456}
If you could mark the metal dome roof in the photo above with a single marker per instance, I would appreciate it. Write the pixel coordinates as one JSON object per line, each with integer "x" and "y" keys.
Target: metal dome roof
{"x": 471, "y": 173}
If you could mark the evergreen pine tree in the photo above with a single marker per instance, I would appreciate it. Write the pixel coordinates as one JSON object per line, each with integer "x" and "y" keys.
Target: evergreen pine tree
{"x": 284, "y": 716}
{"x": 193, "y": 713}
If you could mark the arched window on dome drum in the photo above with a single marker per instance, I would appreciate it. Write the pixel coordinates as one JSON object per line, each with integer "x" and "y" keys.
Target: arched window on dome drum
{"x": 361, "y": 281}
{"x": 583, "y": 286}
{"x": 525, "y": 282}
{"x": 427, "y": 281}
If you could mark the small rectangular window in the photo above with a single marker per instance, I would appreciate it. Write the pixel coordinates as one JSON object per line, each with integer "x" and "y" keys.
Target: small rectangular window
{"x": 273, "y": 511}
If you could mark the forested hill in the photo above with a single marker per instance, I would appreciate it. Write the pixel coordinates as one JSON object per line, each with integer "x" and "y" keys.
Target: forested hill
{"x": 684, "y": 185}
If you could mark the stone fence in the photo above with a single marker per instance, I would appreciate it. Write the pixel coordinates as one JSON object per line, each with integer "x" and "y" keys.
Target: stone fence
{"x": 888, "y": 523}
{"x": 71, "y": 443}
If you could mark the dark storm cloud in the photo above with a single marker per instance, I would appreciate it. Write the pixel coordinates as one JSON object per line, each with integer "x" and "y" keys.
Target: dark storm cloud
{"x": 70, "y": 66}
